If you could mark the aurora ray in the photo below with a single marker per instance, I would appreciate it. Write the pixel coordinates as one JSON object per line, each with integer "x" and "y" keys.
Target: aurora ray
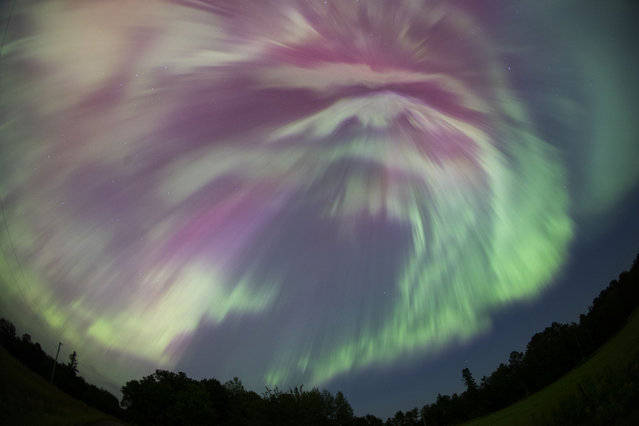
{"x": 344, "y": 184}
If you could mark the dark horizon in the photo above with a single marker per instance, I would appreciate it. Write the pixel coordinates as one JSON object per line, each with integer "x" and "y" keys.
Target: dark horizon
{"x": 366, "y": 197}
{"x": 174, "y": 398}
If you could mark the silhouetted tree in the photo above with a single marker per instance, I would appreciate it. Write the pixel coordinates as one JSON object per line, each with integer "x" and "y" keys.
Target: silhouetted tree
{"x": 548, "y": 355}
{"x": 169, "y": 398}
{"x": 343, "y": 410}
{"x": 73, "y": 363}
{"x": 469, "y": 381}
{"x": 234, "y": 387}
{"x": 7, "y": 331}
{"x": 31, "y": 354}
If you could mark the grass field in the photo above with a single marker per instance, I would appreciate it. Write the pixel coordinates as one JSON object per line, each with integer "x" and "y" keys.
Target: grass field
{"x": 607, "y": 378}
{"x": 28, "y": 399}
{"x": 598, "y": 391}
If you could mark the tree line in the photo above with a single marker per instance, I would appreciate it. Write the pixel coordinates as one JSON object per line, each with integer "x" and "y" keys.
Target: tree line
{"x": 549, "y": 355}
{"x": 66, "y": 374}
{"x": 167, "y": 398}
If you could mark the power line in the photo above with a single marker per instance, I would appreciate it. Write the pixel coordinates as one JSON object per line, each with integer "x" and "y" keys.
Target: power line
{"x": 96, "y": 372}
{"x": 6, "y": 27}
{"x": 44, "y": 328}
{"x": 4, "y": 217}
{"x": 17, "y": 260}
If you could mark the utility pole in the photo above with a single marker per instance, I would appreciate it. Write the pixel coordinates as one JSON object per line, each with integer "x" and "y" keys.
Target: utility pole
{"x": 55, "y": 362}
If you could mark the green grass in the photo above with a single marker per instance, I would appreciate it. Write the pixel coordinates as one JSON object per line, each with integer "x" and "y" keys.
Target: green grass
{"x": 28, "y": 399}
{"x": 610, "y": 377}
{"x": 607, "y": 378}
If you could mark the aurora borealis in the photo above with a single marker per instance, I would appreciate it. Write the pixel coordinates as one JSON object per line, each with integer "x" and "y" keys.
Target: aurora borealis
{"x": 299, "y": 191}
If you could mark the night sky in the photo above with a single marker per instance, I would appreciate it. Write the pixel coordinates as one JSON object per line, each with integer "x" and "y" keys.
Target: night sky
{"x": 366, "y": 196}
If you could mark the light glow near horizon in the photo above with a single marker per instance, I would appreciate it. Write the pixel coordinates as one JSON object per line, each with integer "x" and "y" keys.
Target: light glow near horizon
{"x": 333, "y": 185}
